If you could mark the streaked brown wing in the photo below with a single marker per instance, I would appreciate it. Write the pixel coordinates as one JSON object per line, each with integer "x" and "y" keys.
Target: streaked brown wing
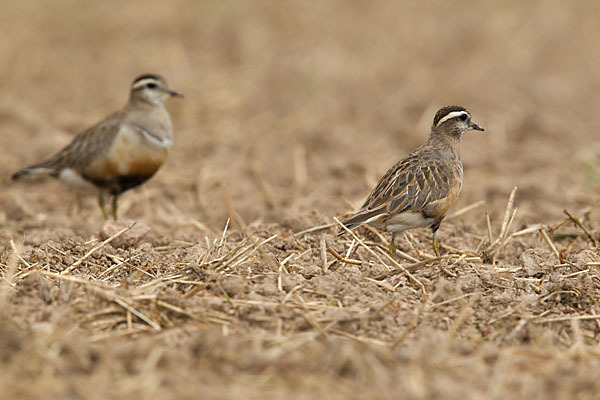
{"x": 87, "y": 146}
{"x": 411, "y": 184}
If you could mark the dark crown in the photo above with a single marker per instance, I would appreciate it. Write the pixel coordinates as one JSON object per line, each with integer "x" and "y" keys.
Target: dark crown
{"x": 147, "y": 76}
{"x": 445, "y": 111}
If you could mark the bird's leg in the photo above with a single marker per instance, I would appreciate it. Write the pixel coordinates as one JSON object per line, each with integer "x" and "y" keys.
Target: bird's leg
{"x": 393, "y": 245}
{"x": 101, "y": 204}
{"x": 115, "y": 205}
{"x": 436, "y": 249}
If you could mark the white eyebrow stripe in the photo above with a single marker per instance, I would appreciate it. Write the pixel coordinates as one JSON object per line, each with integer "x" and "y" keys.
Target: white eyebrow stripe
{"x": 453, "y": 114}
{"x": 144, "y": 82}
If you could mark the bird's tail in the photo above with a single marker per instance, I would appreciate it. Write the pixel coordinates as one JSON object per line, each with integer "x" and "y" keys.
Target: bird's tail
{"x": 360, "y": 218}
{"x": 32, "y": 170}
{"x": 347, "y": 225}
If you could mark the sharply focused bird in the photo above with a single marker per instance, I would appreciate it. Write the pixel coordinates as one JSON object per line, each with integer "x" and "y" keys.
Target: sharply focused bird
{"x": 419, "y": 190}
{"x": 120, "y": 152}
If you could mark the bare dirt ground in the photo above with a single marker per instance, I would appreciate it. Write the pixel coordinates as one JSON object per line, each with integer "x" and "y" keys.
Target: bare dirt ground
{"x": 293, "y": 110}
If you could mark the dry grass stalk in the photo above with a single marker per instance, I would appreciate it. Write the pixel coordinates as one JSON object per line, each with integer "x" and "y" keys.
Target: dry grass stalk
{"x": 480, "y": 245}
{"x": 223, "y": 235}
{"x": 351, "y": 248}
{"x": 6, "y": 289}
{"x": 459, "y": 251}
{"x": 411, "y": 326}
{"x": 567, "y": 318}
{"x": 577, "y": 222}
{"x": 324, "y": 255}
{"x": 220, "y": 262}
{"x": 399, "y": 253}
{"x": 290, "y": 293}
{"x": 289, "y": 346}
{"x": 518, "y": 328}
{"x": 410, "y": 276}
{"x": 17, "y": 254}
{"x": 466, "y": 209}
{"x": 548, "y": 241}
{"x": 498, "y": 244}
{"x": 509, "y": 207}
{"x": 359, "y": 339}
{"x": 434, "y": 305}
{"x": 135, "y": 312}
{"x": 377, "y": 233}
{"x": 119, "y": 334}
{"x": 578, "y": 341}
{"x": 505, "y": 236}
{"x": 413, "y": 242}
{"x": 465, "y": 312}
{"x": 258, "y": 246}
{"x": 527, "y": 231}
{"x": 246, "y": 257}
{"x": 343, "y": 259}
{"x": 501, "y": 317}
{"x": 96, "y": 248}
{"x": 106, "y": 293}
{"x": 313, "y": 229}
{"x": 118, "y": 263}
{"x": 199, "y": 225}
{"x": 419, "y": 264}
{"x": 362, "y": 244}
{"x": 300, "y": 168}
{"x": 174, "y": 308}
{"x": 386, "y": 243}
{"x": 447, "y": 271}
{"x": 262, "y": 187}
{"x": 585, "y": 271}
{"x": 233, "y": 258}
{"x": 489, "y": 227}
{"x": 382, "y": 284}
{"x": 75, "y": 279}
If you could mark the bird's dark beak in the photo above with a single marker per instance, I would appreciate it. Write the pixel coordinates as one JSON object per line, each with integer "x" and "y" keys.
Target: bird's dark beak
{"x": 173, "y": 93}
{"x": 476, "y": 127}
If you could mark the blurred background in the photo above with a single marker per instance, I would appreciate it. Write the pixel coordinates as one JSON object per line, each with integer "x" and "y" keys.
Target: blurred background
{"x": 297, "y": 108}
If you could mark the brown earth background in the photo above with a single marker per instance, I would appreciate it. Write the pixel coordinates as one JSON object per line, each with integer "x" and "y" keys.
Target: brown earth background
{"x": 293, "y": 110}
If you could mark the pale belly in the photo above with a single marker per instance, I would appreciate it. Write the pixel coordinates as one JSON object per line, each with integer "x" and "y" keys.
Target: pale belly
{"x": 402, "y": 222}
{"x": 74, "y": 180}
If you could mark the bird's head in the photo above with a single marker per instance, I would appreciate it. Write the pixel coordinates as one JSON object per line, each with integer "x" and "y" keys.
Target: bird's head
{"x": 454, "y": 121}
{"x": 151, "y": 89}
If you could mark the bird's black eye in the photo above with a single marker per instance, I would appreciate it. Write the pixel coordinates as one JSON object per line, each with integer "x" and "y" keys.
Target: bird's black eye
{"x": 463, "y": 117}
{"x": 151, "y": 86}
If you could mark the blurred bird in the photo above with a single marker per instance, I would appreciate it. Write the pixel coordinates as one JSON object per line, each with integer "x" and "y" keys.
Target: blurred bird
{"x": 419, "y": 190}
{"x": 120, "y": 152}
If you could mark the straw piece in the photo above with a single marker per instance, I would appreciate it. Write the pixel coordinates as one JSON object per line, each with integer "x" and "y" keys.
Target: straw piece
{"x": 96, "y": 248}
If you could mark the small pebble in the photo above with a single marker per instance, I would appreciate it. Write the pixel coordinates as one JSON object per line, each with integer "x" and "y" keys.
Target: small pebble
{"x": 127, "y": 239}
